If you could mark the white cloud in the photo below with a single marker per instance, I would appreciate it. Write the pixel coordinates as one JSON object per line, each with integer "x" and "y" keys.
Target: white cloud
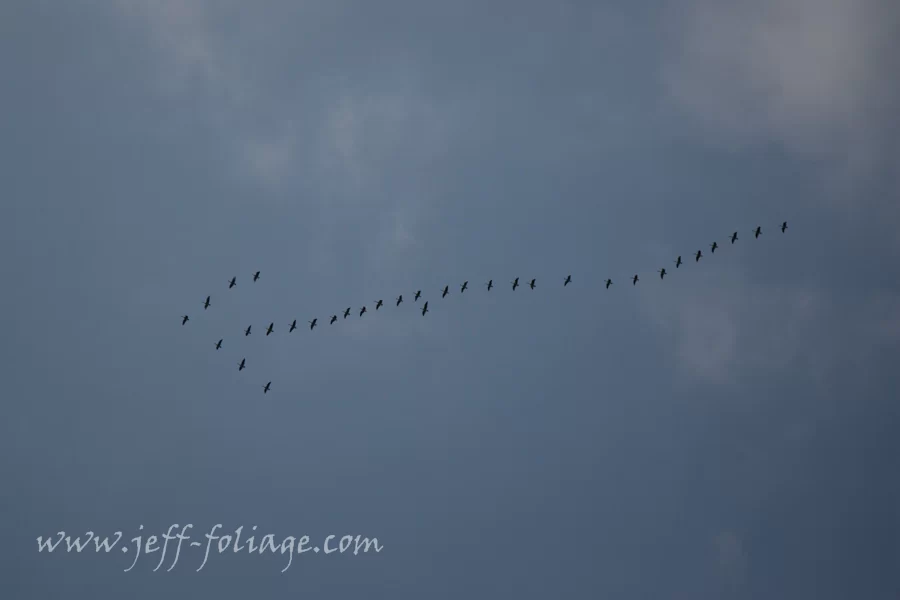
{"x": 180, "y": 29}
{"x": 706, "y": 336}
{"x": 271, "y": 159}
{"x": 710, "y": 323}
{"x": 725, "y": 326}
{"x": 344, "y": 141}
{"x": 808, "y": 74}
{"x": 815, "y": 77}
{"x": 731, "y": 558}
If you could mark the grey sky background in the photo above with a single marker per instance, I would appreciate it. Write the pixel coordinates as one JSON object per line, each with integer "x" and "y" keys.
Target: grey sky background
{"x": 729, "y": 432}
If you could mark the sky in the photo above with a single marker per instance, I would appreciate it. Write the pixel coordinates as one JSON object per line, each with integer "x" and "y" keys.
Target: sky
{"x": 727, "y": 432}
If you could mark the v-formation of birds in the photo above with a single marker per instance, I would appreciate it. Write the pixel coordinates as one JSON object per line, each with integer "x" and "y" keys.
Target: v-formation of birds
{"x": 446, "y": 290}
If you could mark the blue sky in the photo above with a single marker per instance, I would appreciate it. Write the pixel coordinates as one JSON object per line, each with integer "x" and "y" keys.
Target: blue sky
{"x": 729, "y": 432}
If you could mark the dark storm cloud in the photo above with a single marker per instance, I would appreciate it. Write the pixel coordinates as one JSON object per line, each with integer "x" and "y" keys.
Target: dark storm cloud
{"x": 726, "y": 432}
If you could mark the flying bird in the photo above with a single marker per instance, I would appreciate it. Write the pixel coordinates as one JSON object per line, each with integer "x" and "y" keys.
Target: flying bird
{"x": 232, "y": 283}
{"x": 347, "y": 312}
{"x": 312, "y": 323}
{"x": 266, "y": 387}
{"x": 678, "y": 261}
{"x": 757, "y": 232}
{"x": 446, "y": 291}
{"x": 247, "y": 331}
{"x": 464, "y": 287}
{"x": 218, "y": 344}
{"x": 333, "y": 319}
{"x": 490, "y": 284}
{"x": 256, "y": 276}
{"x": 362, "y": 311}
{"x": 515, "y": 283}
{"x": 608, "y": 283}
{"x": 399, "y": 299}
{"x": 734, "y": 237}
{"x": 714, "y": 245}
{"x": 271, "y": 327}
{"x": 567, "y": 281}
{"x": 293, "y": 326}
{"x": 698, "y": 256}
{"x": 532, "y": 283}
{"x": 662, "y": 273}
{"x": 378, "y": 304}
{"x": 424, "y": 309}
{"x": 783, "y": 226}
{"x": 184, "y": 319}
{"x": 634, "y": 280}
{"x": 242, "y": 364}
{"x": 418, "y": 294}
{"x": 206, "y": 304}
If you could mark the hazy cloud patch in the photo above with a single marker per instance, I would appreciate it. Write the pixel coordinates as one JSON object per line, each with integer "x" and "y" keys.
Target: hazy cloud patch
{"x": 811, "y": 75}
{"x": 720, "y": 330}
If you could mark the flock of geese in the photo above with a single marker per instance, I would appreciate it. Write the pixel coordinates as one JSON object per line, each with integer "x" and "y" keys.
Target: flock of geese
{"x": 465, "y": 285}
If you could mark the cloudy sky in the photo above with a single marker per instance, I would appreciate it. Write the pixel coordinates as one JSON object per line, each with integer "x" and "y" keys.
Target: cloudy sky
{"x": 728, "y": 432}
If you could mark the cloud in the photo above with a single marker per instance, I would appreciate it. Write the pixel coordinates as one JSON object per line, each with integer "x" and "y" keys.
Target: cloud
{"x": 706, "y": 337}
{"x": 271, "y": 160}
{"x": 182, "y": 32}
{"x": 811, "y": 75}
{"x": 725, "y": 326}
{"x": 815, "y": 78}
{"x": 716, "y": 330}
{"x": 371, "y": 130}
{"x": 333, "y": 139}
{"x": 731, "y": 559}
